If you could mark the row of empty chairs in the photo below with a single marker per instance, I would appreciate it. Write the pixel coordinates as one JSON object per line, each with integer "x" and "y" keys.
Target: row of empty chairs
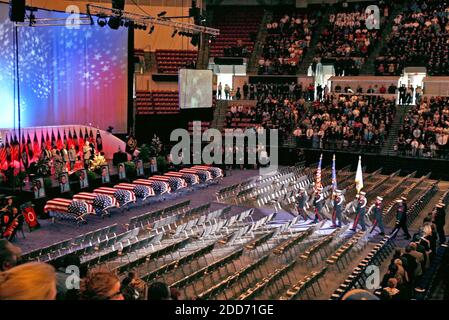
{"x": 157, "y": 102}
{"x": 170, "y": 61}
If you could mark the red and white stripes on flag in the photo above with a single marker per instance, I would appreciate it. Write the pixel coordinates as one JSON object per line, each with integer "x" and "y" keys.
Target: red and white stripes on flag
{"x": 318, "y": 184}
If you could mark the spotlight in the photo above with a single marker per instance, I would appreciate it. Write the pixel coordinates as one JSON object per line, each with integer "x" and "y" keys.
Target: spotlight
{"x": 151, "y": 29}
{"x": 101, "y": 21}
{"x": 161, "y": 14}
{"x": 174, "y": 33}
{"x": 114, "y": 23}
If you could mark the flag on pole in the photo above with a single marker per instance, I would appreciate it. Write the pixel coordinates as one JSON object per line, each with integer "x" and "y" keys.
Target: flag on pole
{"x": 359, "y": 176}
{"x": 334, "y": 175}
{"x": 318, "y": 176}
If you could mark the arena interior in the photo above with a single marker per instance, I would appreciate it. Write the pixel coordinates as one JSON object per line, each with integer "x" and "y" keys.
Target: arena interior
{"x": 334, "y": 186}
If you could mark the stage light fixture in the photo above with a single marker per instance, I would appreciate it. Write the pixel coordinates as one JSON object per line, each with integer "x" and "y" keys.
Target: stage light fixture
{"x": 101, "y": 21}
{"x": 161, "y": 14}
{"x": 174, "y": 33}
{"x": 151, "y": 29}
{"x": 114, "y": 23}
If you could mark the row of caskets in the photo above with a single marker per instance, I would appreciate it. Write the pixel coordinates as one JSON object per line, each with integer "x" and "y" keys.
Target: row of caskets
{"x": 101, "y": 200}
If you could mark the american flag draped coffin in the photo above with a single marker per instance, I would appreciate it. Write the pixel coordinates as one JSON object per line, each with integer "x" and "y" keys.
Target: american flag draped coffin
{"x": 141, "y": 191}
{"x": 189, "y": 178}
{"x": 68, "y": 209}
{"x": 159, "y": 187}
{"x": 215, "y": 171}
{"x": 100, "y": 202}
{"x": 204, "y": 175}
{"x": 123, "y": 196}
{"x": 174, "y": 182}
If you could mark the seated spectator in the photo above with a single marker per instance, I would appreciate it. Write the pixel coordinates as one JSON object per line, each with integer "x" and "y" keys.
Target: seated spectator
{"x": 101, "y": 285}
{"x": 133, "y": 288}
{"x": 159, "y": 291}
{"x": 391, "y": 292}
{"x": 29, "y": 281}
{"x": 9, "y": 255}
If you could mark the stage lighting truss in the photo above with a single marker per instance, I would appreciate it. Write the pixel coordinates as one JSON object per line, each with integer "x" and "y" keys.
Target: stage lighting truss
{"x": 150, "y": 21}
{"x": 54, "y": 22}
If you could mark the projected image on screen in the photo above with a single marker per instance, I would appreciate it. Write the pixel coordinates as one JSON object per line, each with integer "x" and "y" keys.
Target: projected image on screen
{"x": 67, "y": 76}
{"x": 195, "y": 88}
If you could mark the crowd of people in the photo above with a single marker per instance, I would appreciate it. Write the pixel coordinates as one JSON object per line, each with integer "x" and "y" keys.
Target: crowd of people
{"x": 346, "y": 121}
{"x": 44, "y": 281}
{"x": 286, "y": 43}
{"x": 425, "y": 131}
{"x": 408, "y": 265}
{"x": 347, "y": 40}
{"x": 419, "y": 37}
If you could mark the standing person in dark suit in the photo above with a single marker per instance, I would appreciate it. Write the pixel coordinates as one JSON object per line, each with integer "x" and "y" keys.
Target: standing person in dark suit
{"x": 439, "y": 219}
{"x": 401, "y": 219}
{"x": 301, "y": 201}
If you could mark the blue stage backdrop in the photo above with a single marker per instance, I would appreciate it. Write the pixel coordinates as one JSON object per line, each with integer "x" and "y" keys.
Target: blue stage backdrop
{"x": 67, "y": 76}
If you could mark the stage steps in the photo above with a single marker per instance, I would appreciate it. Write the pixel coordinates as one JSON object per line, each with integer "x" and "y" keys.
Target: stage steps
{"x": 252, "y": 66}
{"x": 219, "y": 115}
{"x": 369, "y": 67}
{"x": 389, "y": 145}
{"x": 303, "y": 67}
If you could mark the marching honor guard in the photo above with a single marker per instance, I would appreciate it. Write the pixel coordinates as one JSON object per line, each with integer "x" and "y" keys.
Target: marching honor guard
{"x": 318, "y": 203}
{"x": 360, "y": 212}
{"x": 301, "y": 201}
{"x": 338, "y": 209}
{"x": 401, "y": 219}
{"x": 377, "y": 208}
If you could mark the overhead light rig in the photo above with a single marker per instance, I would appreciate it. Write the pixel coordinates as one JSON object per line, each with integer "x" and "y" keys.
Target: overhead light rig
{"x": 149, "y": 21}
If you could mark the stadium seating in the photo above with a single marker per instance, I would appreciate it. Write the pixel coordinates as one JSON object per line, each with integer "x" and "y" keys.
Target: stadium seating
{"x": 170, "y": 61}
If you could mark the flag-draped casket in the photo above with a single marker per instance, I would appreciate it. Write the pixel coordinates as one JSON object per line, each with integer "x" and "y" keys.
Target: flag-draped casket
{"x": 175, "y": 183}
{"x": 189, "y": 178}
{"x": 215, "y": 171}
{"x": 123, "y": 197}
{"x": 159, "y": 187}
{"x": 204, "y": 175}
{"x": 100, "y": 202}
{"x": 67, "y": 209}
{"x": 141, "y": 191}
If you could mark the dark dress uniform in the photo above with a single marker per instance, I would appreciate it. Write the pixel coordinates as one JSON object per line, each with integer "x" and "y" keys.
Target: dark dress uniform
{"x": 378, "y": 217}
{"x": 360, "y": 216}
{"x": 338, "y": 210}
{"x": 318, "y": 203}
{"x": 401, "y": 221}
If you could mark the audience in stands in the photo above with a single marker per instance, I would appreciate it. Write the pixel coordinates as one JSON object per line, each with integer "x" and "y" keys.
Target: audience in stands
{"x": 418, "y": 38}
{"x": 425, "y": 131}
{"x": 9, "y": 255}
{"x": 346, "y": 40}
{"x": 286, "y": 43}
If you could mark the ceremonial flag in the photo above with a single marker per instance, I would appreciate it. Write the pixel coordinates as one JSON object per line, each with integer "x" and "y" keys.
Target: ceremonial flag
{"x": 99, "y": 141}
{"x": 318, "y": 176}
{"x": 36, "y": 149}
{"x": 86, "y": 135}
{"x": 53, "y": 139}
{"x": 81, "y": 140}
{"x": 59, "y": 141}
{"x": 334, "y": 175}
{"x": 75, "y": 140}
{"x": 43, "y": 145}
{"x": 15, "y": 149}
{"x": 29, "y": 147}
{"x": 359, "y": 176}
{"x": 91, "y": 137}
{"x": 48, "y": 141}
{"x": 65, "y": 142}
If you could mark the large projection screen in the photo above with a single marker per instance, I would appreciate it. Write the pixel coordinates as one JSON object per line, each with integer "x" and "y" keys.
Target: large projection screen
{"x": 67, "y": 75}
{"x": 195, "y": 89}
